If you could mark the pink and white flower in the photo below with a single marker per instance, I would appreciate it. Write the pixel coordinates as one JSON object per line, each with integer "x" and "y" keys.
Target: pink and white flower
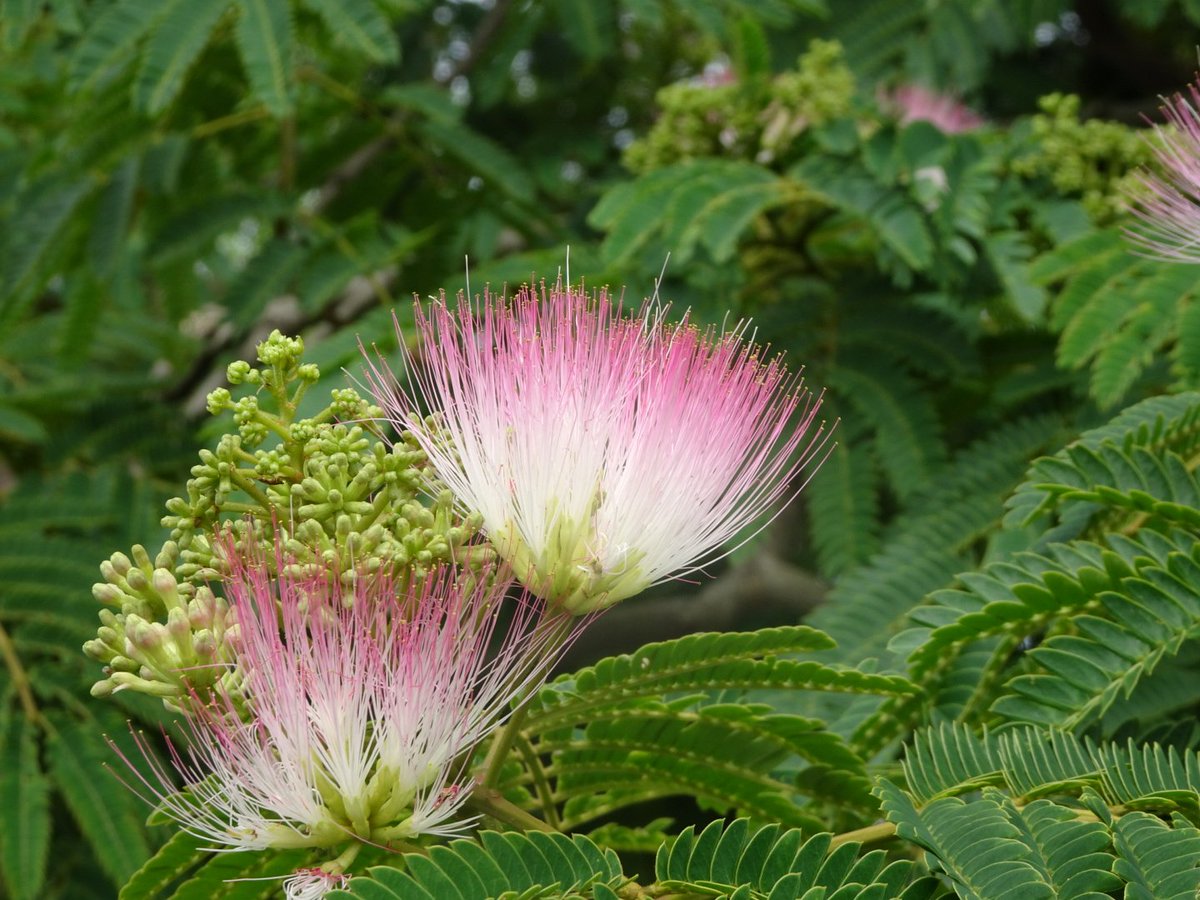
{"x": 1167, "y": 205}
{"x": 604, "y": 451}
{"x": 914, "y": 103}
{"x": 357, "y": 710}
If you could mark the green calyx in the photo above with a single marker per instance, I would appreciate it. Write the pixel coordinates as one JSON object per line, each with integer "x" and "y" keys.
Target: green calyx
{"x": 572, "y": 569}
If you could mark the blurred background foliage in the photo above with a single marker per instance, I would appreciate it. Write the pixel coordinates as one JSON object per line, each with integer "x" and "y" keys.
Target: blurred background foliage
{"x": 179, "y": 178}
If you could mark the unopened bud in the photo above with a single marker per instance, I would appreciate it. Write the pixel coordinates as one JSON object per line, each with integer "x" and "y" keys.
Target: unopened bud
{"x": 97, "y": 650}
{"x": 120, "y": 562}
{"x": 141, "y": 557}
{"x": 178, "y": 626}
{"x": 107, "y": 593}
{"x": 147, "y": 636}
{"x": 205, "y": 644}
{"x": 167, "y": 556}
{"x": 167, "y": 588}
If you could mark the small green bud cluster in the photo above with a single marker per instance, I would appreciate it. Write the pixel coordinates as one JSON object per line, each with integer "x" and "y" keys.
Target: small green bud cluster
{"x": 1094, "y": 160}
{"x": 819, "y": 90}
{"x": 345, "y": 499}
{"x": 158, "y": 636}
{"x": 746, "y": 120}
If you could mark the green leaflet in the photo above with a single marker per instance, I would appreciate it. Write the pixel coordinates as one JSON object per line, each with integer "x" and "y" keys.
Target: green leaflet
{"x": 173, "y": 861}
{"x": 25, "y": 790}
{"x": 708, "y": 203}
{"x": 1166, "y": 423}
{"x": 989, "y": 848}
{"x": 111, "y": 38}
{"x": 264, "y": 39}
{"x": 844, "y": 506}
{"x": 733, "y": 859}
{"x": 723, "y": 754}
{"x": 700, "y": 662}
{"x": 780, "y": 862}
{"x": 103, "y": 807}
{"x": 361, "y": 25}
{"x": 181, "y": 33}
{"x": 1030, "y": 762}
{"x": 45, "y": 210}
{"x": 643, "y": 725}
{"x": 527, "y": 865}
{"x": 902, "y": 416}
{"x": 1158, "y": 861}
{"x": 480, "y": 154}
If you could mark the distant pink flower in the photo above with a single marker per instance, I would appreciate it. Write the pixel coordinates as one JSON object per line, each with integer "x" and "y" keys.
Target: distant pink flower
{"x": 604, "y": 451}
{"x": 357, "y": 710}
{"x": 1168, "y": 206}
{"x": 913, "y": 103}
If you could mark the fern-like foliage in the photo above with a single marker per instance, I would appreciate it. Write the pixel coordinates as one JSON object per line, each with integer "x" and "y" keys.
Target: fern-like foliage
{"x": 1117, "y": 313}
{"x": 1029, "y": 762}
{"x": 987, "y": 847}
{"x": 723, "y": 859}
{"x": 53, "y": 744}
{"x": 1047, "y": 814}
{"x": 645, "y": 725}
{"x": 531, "y": 865}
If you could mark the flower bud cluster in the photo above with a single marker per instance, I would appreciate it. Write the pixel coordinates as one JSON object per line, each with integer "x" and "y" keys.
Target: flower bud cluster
{"x": 745, "y": 120}
{"x": 157, "y": 635}
{"x": 1095, "y": 160}
{"x": 346, "y": 500}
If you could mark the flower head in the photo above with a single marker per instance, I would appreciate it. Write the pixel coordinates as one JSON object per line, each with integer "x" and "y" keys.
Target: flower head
{"x": 1167, "y": 206}
{"x": 604, "y": 451}
{"x": 357, "y": 711}
{"x": 914, "y": 103}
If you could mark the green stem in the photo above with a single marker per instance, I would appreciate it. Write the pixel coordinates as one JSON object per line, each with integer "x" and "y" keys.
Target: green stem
{"x": 255, "y": 492}
{"x": 20, "y": 678}
{"x": 344, "y": 860}
{"x": 880, "y": 831}
{"x": 491, "y": 802}
{"x": 534, "y": 765}
{"x": 501, "y": 744}
{"x": 244, "y": 117}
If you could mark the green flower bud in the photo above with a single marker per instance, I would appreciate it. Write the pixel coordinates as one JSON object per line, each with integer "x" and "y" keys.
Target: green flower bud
{"x": 141, "y": 558}
{"x": 108, "y": 593}
{"x": 145, "y": 636}
{"x": 218, "y": 401}
{"x": 137, "y": 581}
{"x": 178, "y": 626}
{"x": 98, "y": 650}
{"x": 239, "y": 372}
{"x": 205, "y": 644}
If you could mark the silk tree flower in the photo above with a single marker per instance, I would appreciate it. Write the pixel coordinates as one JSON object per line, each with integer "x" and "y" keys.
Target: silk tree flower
{"x": 357, "y": 711}
{"x": 605, "y": 451}
{"x": 914, "y": 103}
{"x": 1167, "y": 205}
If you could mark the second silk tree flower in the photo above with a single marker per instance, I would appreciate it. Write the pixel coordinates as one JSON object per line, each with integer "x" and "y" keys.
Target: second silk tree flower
{"x": 606, "y": 451}
{"x": 356, "y": 712}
